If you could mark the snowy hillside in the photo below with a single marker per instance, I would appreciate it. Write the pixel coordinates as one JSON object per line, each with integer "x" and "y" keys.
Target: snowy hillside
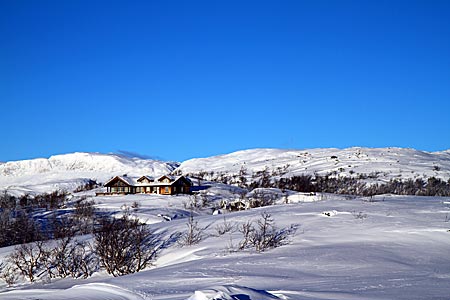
{"x": 393, "y": 247}
{"x": 336, "y": 247}
{"x": 69, "y": 171}
{"x": 381, "y": 163}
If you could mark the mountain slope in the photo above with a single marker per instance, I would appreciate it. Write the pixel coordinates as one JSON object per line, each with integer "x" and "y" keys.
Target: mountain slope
{"x": 68, "y": 171}
{"x": 385, "y": 163}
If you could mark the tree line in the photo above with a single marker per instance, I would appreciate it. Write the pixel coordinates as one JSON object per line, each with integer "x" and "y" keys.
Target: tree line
{"x": 329, "y": 183}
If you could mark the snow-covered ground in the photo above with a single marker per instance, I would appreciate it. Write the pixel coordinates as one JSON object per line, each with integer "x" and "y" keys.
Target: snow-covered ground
{"x": 387, "y": 247}
{"x": 344, "y": 247}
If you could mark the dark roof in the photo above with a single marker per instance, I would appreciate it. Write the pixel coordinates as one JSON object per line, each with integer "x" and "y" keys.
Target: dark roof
{"x": 125, "y": 179}
{"x": 149, "y": 178}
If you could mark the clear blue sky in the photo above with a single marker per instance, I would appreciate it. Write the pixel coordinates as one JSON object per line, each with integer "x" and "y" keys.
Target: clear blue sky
{"x": 183, "y": 79}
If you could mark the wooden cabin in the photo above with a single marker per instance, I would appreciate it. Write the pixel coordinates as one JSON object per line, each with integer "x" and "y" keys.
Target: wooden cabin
{"x": 120, "y": 185}
{"x": 169, "y": 185}
{"x": 164, "y": 185}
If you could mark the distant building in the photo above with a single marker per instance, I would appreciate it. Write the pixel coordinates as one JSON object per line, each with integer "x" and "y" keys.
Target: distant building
{"x": 164, "y": 185}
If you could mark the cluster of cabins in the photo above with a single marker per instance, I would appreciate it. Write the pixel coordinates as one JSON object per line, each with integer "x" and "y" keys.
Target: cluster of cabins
{"x": 164, "y": 185}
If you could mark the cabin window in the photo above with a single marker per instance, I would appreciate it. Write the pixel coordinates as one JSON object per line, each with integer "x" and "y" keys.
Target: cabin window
{"x": 166, "y": 189}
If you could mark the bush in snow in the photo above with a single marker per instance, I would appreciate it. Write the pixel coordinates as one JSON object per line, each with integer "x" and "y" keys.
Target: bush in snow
{"x": 89, "y": 185}
{"x": 29, "y": 260}
{"x": 70, "y": 258}
{"x": 8, "y": 274}
{"x": 124, "y": 245}
{"x": 38, "y": 260}
{"x": 359, "y": 215}
{"x": 260, "y": 199}
{"x": 193, "y": 235}
{"x": 84, "y": 216}
{"x": 18, "y": 226}
{"x": 264, "y": 234}
{"x": 225, "y": 227}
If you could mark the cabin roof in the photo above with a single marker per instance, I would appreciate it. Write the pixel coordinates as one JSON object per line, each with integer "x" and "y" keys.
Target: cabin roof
{"x": 125, "y": 179}
{"x": 170, "y": 177}
{"x": 149, "y": 178}
{"x": 134, "y": 181}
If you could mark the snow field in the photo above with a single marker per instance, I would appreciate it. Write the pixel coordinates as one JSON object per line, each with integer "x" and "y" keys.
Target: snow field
{"x": 397, "y": 250}
{"x": 344, "y": 247}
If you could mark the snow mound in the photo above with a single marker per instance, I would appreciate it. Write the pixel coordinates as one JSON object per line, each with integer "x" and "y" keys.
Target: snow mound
{"x": 90, "y": 291}
{"x": 232, "y": 292}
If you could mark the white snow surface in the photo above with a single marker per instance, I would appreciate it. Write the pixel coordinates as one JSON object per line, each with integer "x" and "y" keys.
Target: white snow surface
{"x": 398, "y": 249}
{"x": 384, "y": 247}
{"x": 68, "y": 171}
{"x": 386, "y": 163}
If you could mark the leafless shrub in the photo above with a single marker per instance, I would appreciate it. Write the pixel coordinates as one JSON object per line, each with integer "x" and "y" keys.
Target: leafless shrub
{"x": 247, "y": 230}
{"x": 84, "y": 208}
{"x": 70, "y": 258}
{"x": 84, "y": 216}
{"x": 194, "y": 202}
{"x": 263, "y": 235}
{"x": 124, "y": 246}
{"x": 225, "y": 227}
{"x": 261, "y": 199}
{"x": 193, "y": 235}
{"x": 18, "y": 227}
{"x": 359, "y": 215}
{"x": 205, "y": 200}
{"x": 8, "y": 274}
{"x": 61, "y": 226}
{"x": 89, "y": 185}
{"x": 30, "y": 259}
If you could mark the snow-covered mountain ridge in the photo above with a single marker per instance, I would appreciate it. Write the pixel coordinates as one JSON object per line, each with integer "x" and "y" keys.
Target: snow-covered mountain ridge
{"x": 81, "y": 161}
{"x": 67, "y": 171}
{"x": 385, "y": 163}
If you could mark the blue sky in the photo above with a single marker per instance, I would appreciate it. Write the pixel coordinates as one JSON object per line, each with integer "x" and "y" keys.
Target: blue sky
{"x": 183, "y": 79}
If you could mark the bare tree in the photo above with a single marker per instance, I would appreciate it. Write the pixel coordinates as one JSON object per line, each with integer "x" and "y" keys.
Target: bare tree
{"x": 263, "y": 235}
{"x": 9, "y": 274}
{"x": 30, "y": 259}
{"x": 84, "y": 215}
{"x": 247, "y": 231}
{"x": 260, "y": 199}
{"x": 70, "y": 258}
{"x": 193, "y": 235}
{"x": 242, "y": 177}
{"x": 124, "y": 246}
{"x": 225, "y": 227}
